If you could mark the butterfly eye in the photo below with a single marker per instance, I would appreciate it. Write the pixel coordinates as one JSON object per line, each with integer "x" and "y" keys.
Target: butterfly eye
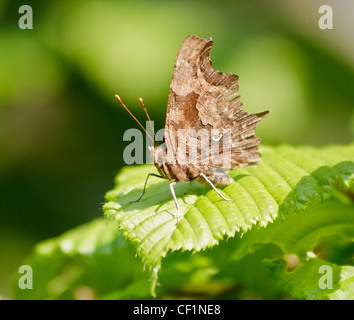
{"x": 216, "y": 137}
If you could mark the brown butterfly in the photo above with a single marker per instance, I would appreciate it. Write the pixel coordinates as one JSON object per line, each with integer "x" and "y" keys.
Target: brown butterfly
{"x": 206, "y": 130}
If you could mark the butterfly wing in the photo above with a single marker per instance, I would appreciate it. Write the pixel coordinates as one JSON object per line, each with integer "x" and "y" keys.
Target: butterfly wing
{"x": 204, "y": 113}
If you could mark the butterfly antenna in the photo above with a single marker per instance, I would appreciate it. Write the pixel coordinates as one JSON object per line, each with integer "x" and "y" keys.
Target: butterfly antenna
{"x": 138, "y": 122}
{"x": 141, "y": 101}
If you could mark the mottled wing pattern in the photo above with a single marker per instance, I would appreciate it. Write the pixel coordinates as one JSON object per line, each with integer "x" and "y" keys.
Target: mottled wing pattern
{"x": 203, "y": 98}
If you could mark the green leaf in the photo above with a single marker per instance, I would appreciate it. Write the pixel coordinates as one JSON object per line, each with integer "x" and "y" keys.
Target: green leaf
{"x": 299, "y": 234}
{"x": 305, "y": 281}
{"x": 262, "y": 260}
{"x": 94, "y": 258}
{"x": 287, "y": 180}
{"x": 91, "y": 261}
{"x": 321, "y": 236}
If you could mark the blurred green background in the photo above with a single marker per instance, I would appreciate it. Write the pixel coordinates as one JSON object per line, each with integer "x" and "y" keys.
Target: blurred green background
{"x": 61, "y": 130}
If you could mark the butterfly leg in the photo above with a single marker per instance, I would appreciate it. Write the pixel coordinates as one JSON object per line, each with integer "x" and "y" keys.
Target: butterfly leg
{"x": 147, "y": 178}
{"x": 212, "y": 185}
{"x": 172, "y": 184}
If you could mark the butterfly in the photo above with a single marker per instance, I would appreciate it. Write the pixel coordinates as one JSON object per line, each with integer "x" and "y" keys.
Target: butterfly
{"x": 206, "y": 129}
